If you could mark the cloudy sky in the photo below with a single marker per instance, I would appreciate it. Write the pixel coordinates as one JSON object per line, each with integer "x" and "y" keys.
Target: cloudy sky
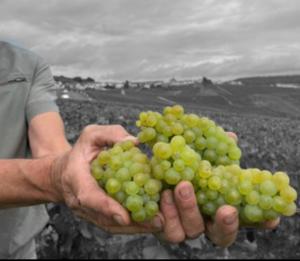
{"x": 158, "y": 39}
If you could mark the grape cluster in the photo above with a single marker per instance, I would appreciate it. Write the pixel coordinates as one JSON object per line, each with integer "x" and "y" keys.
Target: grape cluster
{"x": 200, "y": 133}
{"x": 192, "y": 148}
{"x": 257, "y": 194}
{"x": 125, "y": 174}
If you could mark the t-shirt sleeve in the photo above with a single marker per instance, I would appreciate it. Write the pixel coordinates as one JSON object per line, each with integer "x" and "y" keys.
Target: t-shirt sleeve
{"x": 42, "y": 93}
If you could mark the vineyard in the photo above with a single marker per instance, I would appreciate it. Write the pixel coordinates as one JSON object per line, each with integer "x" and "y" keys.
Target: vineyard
{"x": 267, "y": 142}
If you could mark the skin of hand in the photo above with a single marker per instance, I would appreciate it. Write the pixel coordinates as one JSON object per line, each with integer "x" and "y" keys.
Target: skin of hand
{"x": 179, "y": 218}
{"x": 77, "y": 188}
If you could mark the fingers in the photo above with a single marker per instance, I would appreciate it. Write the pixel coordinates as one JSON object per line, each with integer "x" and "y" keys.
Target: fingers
{"x": 189, "y": 213}
{"x": 173, "y": 230}
{"x": 90, "y": 196}
{"x": 223, "y": 231}
{"x": 105, "y": 135}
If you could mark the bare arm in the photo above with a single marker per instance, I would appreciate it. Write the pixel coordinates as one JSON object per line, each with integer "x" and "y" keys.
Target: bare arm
{"x": 25, "y": 182}
{"x": 47, "y": 135}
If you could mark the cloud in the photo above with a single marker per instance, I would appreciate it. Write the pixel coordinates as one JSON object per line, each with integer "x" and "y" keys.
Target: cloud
{"x": 157, "y": 39}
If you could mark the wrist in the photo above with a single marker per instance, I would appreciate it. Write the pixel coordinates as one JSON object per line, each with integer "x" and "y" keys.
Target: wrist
{"x": 57, "y": 167}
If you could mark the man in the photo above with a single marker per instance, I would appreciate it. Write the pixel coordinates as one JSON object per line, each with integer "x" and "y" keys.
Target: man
{"x": 30, "y": 126}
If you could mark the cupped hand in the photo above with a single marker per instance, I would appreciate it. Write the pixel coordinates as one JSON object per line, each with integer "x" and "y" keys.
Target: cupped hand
{"x": 77, "y": 188}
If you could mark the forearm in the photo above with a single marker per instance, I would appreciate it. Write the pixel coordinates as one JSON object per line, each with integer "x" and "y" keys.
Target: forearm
{"x": 27, "y": 182}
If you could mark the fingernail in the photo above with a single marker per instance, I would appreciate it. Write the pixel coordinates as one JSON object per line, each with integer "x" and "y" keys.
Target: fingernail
{"x": 119, "y": 220}
{"x": 186, "y": 192}
{"x": 130, "y": 138}
{"x": 157, "y": 223}
{"x": 230, "y": 219}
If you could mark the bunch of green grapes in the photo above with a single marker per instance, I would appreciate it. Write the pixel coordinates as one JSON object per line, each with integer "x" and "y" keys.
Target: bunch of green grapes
{"x": 257, "y": 194}
{"x": 125, "y": 174}
{"x": 201, "y": 134}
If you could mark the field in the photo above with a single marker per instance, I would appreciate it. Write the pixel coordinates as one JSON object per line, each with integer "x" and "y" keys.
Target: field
{"x": 268, "y": 127}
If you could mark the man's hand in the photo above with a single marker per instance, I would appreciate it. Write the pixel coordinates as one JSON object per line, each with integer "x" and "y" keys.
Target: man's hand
{"x": 78, "y": 189}
{"x": 183, "y": 219}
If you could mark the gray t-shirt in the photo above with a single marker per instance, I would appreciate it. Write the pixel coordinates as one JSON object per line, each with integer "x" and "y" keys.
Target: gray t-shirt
{"x": 26, "y": 90}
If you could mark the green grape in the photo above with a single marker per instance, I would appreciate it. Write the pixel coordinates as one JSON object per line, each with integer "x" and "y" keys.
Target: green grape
{"x": 245, "y": 187}
{"x": 141, "y": 178}
{"x": 178, "y": 165}
{"x": 202, "y": 183}
{"x": 201, "y": 197}
{"x": 234, "y": 153}
{"x": 177, "y": 143}
{"x": 192, "y": 120}
{"x": 187, "y": 174}
{"x": 139, "y": 216}
{"x": 211, "y": 195}
{"x": 120, "y": 196}
{"x": 97, "y": 171}
{"x": 134, "y": 203}
{"x": 225, "y": 185}
{"x": 214, "y": 183}
{"x": 127, "y": 145}
{"x": 140, "y": 158}
{"x": 112, "y": 186}
{"x": 223, "y": 160}
{"x": 204, "y": 170}
{"x": 267, "y": 187}
{"x": 281, "y": 179}
{"x": 172, "y": 177}
{"x": 253, "y": 213}
{"x": 209, "y": 208}
{"x": 252, "y": 198}
{"x": 220, "y": 201}
{"x": 158, "y": 172}
{"x": 152, "y": 186}
{"x": 222, "y": 149}
{"x": 151, "y": 208}
{"x": 162, "y": 138}
{"x": 136, "y": 167}
{"x": 290, "y": 209}
{"x": 211, "y": 143}
{"x": 233, "y": 197}
{"x": 278, "y": 204}
{"x": 210, "y": 155}
{"x": 123, "y": 174}
{"x": 189, "y": 136}
{"x": 162, "y": 150}
{"x": 103, "y": 158}
{"x": 200, "y": 143}
{"x": 115, "y": 162}
{"x": 115, "y": 150}
{"x": 131, "y": 188}
{"x": 197, "y": 131}
{"x": 210, "y": 132}
{"x": 155, "y": 197}
{"x": 167, "y": 131}
{"x": 165, "y": 165}
{"x": 265, "y": 202}
{"x": 288, "y": 194}
{"x": 188, "y": 155}
{"x": 177, "y": 110}
{"x": 177, "y": 128}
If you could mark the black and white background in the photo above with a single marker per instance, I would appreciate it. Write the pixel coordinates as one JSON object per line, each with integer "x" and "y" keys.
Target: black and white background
{"x": 235, "y": 61}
